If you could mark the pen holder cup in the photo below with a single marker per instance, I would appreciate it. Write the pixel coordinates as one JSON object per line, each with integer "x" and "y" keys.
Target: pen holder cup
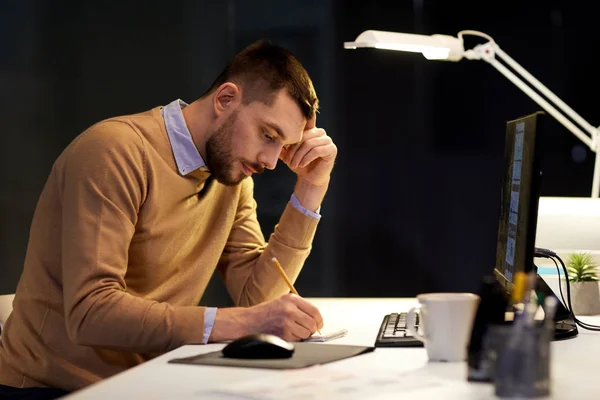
{"x": 521, "y": 360}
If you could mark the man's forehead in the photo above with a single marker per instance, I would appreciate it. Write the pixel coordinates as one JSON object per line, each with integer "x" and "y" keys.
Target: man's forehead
{"x": 288, "y": 130}
{"x": 285, "y": 117}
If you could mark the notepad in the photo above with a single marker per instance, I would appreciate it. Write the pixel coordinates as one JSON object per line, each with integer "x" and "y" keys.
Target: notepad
{"x": 326, "y": 336}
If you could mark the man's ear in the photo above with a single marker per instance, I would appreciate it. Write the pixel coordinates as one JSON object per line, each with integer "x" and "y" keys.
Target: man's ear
{"x": 227, "y": 96}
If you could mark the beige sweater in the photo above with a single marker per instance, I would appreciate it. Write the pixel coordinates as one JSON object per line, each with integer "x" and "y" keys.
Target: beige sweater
{"x": 121, "y": 250}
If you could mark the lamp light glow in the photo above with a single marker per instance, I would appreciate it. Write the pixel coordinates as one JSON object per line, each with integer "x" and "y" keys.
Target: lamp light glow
{"x": 434, "y": 47}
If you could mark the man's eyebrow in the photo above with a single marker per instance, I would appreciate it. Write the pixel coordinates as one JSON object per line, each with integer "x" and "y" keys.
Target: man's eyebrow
{"x": 277, "y": 129}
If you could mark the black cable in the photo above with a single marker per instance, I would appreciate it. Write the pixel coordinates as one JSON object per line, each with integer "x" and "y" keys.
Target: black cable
{"x": 582, "y": 324}
{"x": 546, "y": 253}
{"x": 562, "y": 297}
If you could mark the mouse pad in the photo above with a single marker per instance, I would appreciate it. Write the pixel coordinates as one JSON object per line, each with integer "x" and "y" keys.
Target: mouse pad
{"x": 305, "y": 355}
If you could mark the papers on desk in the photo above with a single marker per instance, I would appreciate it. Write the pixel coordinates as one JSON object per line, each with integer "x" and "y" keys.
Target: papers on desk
{"x": 326, "y": 336}
{"x": 322, "y": 382}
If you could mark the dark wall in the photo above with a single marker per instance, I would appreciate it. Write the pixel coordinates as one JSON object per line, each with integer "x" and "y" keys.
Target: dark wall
{"x": 66, "y": 65}
{"x": 425, "y": 139}
{"x": 414, "y": 198}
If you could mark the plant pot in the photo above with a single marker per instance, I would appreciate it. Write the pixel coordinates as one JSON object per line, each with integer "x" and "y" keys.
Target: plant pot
{"x": 585, "y": 297}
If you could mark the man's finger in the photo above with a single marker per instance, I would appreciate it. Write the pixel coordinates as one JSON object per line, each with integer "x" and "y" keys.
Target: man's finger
{"x": 283, "y": 156}
{"x": 310, "y": 310}
{"x": 305, "y": 327}
{"x": 306, "y": 321}
{"x": 306, "y": 147}
{"x": 294, "y": 337}
{"x": 287, "y": 155}
{"x": 310, "y": 133}
{"x": 323, "y": 152}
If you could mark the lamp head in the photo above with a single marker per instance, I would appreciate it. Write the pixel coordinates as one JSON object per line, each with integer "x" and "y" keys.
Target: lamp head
{"x": 434, "y": 47}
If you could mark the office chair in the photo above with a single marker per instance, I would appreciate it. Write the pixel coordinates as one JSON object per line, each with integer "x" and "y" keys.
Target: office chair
{"x": 6, "y": 301}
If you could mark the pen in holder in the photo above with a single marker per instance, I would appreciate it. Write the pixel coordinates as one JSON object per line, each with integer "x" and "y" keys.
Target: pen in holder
{"x": 521, "y": 354}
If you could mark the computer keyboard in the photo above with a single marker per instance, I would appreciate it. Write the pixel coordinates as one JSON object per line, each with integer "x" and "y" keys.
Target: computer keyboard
{"x": 392, "y": 332}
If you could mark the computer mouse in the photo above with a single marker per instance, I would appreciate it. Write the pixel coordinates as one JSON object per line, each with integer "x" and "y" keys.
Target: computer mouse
{"x": 259, "y": 346}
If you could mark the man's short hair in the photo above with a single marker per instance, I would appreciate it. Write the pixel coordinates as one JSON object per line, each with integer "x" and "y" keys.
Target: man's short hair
{"x": 263, "y": 69}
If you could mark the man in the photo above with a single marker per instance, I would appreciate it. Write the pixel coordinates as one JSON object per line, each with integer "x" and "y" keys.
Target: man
{"x": 139, "y": 211}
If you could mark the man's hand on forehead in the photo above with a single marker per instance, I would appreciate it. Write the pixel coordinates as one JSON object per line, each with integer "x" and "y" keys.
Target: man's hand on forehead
{"x": 313, "y": 157}
{"x": 310, "y": 124}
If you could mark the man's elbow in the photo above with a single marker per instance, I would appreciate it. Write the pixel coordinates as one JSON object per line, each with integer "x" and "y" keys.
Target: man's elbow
{"x": 86, "y": 322}
{"x": 76, "y": 331}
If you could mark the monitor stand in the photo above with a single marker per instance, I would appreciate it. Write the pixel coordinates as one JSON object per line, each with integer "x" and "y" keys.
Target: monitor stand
{"x": 565, "y": 327}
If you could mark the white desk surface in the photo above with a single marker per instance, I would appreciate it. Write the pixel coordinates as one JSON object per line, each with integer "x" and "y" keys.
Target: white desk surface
{"x": 575, "y": 363}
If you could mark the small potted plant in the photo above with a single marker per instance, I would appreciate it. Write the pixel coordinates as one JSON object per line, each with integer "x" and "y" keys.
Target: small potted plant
{"x": 583, "y": 281}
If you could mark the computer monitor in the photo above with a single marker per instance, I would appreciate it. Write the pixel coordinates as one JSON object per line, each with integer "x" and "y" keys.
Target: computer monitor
{"x": 519, "y": 200}
{"x": 517, "y": 223}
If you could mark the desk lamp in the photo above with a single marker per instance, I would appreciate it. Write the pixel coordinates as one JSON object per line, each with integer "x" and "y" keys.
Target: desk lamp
{"x": 449, "y": 48}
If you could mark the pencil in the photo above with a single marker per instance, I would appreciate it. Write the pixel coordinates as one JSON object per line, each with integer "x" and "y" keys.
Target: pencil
{"x": 287, "y": 280}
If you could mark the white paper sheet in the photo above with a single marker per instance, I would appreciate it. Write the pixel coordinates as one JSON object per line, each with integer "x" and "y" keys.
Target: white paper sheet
{"x": 326, "y": 336}
{"x": 320, "y": 382}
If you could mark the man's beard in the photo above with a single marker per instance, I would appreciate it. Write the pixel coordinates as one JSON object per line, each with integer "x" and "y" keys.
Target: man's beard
{"x": 219, "y": 158}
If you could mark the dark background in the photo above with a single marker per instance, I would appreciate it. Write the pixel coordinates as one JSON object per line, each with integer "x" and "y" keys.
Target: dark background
{"x": 413, "y": 204}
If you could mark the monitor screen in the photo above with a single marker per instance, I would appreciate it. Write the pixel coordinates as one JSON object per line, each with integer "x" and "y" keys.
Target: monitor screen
{"x": 519, "y": 200}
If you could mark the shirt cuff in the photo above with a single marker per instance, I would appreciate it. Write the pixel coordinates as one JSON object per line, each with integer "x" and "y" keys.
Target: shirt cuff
{"x": 296, "y": 203}
{"x": 210, "y": 313}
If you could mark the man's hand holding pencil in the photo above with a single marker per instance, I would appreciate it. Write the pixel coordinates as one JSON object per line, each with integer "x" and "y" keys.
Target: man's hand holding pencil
{"x": 290, "y": 317}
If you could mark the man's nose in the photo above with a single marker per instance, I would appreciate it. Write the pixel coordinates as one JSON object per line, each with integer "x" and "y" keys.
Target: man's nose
{"x": 269, "y": 158}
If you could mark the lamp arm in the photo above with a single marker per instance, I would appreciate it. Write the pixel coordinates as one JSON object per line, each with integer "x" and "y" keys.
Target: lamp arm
{"x": 593, "y": 144}
{"x": 541, "y": 102}
{"x": 488, "y": 51}
{"x": 546, "y": 92}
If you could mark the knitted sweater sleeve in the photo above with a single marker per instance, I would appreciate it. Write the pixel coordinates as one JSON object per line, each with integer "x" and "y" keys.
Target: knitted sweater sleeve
{"x": 246, "y": 266}
{"x": 102, "y": 185}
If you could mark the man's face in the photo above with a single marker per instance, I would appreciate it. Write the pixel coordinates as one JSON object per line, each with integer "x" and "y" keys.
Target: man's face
{"x": 251, "y": 137}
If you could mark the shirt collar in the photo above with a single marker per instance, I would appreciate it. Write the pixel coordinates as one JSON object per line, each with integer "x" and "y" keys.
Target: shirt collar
{"x": 186, "y": 154}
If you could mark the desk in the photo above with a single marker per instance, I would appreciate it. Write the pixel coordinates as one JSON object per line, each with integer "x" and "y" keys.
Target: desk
{"x": 575, "y": 362}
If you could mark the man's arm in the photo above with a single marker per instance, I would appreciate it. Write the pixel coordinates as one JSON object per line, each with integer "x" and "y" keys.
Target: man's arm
{"x": 289, "y": 317}
{"x": 312, "y": 160}
{"x": 102, "y": 185}
{"x": 245, "y": 265}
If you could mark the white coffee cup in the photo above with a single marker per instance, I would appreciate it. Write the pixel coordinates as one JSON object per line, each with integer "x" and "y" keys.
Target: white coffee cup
{"x": 446, "y": 320}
